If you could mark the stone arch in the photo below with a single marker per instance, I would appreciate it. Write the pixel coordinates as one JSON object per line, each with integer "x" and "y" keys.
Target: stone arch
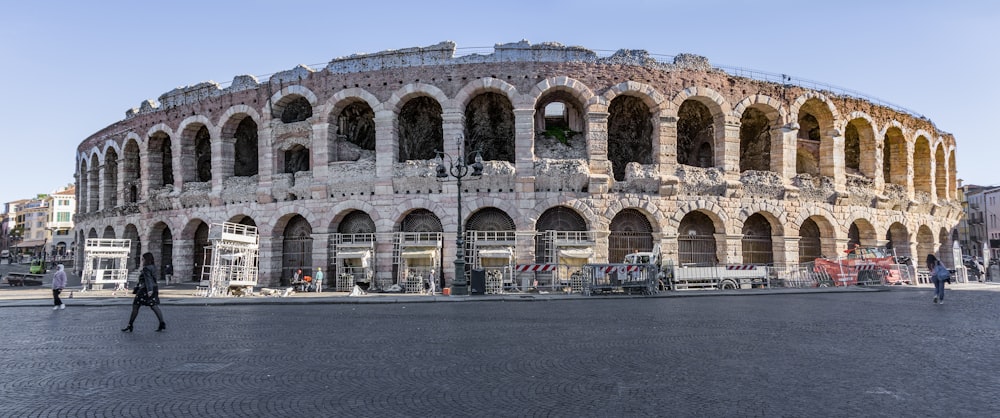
{"x": 701, "y": 120}
{"x": 420, "y": 219}
{"x": 895, "y": 155}
{"x": 815, "y": 150}
{"x": 354, "y": 222}
{"x": 758, "y": 246}
{"x": 196, "y": 149}
{"x": 131, "y": 233}
{"x": 404, "y": 94}
{"x": 630, "y": 231}
{"x": 941, "y": 182}
{"x": 490, "y": 218}
{"x": 160, "y": 160}
{"x": 631, "y": 131}
{"x": 109, "y": 182}
{"x": 861, "y": 232}
{"x": 860, "y": 146}
{"x": 768, "y": 211}
{"x": 819, "y": 232}
{"x": 289, "y": 95}
{"x": 698, "y": 236}
{"x": 93, "y": 203}
{"x": 568, "y": 116}
{"x": 645, "y": 92}
{"x": 489, "y": 126}
{"x": 296, "y": 245}
{"x": 925, "y": 245}
{"x": 131, "y": 170}
{"x": 898, "y": 238}
{"x": 486, "y": 85}
{"x": 761, "y": 118}
{"x": 109, "y": 233}
{"x": 243, "y": 149}
{"x": 351, "y": 132}
{"x": 922, "y": 181}
{"x": 420, "y": 128}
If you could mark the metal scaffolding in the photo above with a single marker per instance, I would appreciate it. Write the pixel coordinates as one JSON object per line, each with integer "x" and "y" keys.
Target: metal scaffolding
{"x": 105, "y": 261}
{"x": 231, "y": 260}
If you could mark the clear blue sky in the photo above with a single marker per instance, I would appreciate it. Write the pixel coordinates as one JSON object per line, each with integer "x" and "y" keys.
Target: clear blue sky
{"x": 70, "y": 68}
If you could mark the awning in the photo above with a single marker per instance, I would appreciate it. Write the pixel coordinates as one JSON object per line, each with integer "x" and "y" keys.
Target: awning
{"x": 584, "y": 252}
{"x": 31, "y": 243}
{"x": 496, "y": 253}
{"x": 419, "y": 253}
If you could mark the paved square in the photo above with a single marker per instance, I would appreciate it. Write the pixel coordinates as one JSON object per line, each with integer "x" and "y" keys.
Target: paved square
{"x": 838, "y": 354}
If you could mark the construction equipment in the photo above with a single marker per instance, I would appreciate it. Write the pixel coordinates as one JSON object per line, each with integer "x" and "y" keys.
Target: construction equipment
{"x": 862, "y": 266}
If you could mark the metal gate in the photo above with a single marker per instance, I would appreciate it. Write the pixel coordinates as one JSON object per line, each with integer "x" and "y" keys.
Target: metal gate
{"x": 696, "y": 250}
{"x": 757, "y": 250}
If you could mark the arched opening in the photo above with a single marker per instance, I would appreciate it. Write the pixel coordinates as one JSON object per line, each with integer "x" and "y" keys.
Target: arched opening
{"x": 898, "y": 240}
{"x": 559, "y": 218}
{"x": 131, "y": 172}
{"x": 161, "y": 164}
{"x": 135, "y": 250}
{"x": 354, "y": 133}
{"x": 922, "y": 166}
{"x": 489, "y": 127}
{"x": 245, "y": 163}
{"x": 894, "y": 160}
{"x": 201, "y": 246}
{"x": 757, "y": 245}
{"x": 630, "y": 133}
{"x": 296, "y": 159}
{"x": 110, "y": 181}
{"x": 940, "y": 174}
{"x": 356, "y": 222}
{"x": 83, "y": 187}
{"x": 93, "y": 202}
{"x": 695, "y": 135}
{"x": 203, "y": 154}
{"x": 428, "y": 228}
{"x": 852, "y": 149}
{"x": 860, "y": 148}
{"x": 755, "y": 141}
{"x": 630, "y": 231}
{"x": 925, "y": 244}
{"x": 93, "y": 233}
{"x": 810, "y": 246}
{"x": 490, "y": 219}
{"x": 296, "y": 109}
{"x": 161, "y": 233}
{"x": 807, "y": 145}
{"x": 109, "y": 233}
{"x": 296, "y": 248}
{"x": 696, "y": 241}
{"x": 559, "y": 115}
{"x": 420, "y": 128}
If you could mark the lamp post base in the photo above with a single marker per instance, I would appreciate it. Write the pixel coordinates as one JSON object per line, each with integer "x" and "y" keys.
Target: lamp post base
{"x": 460, "y": 286}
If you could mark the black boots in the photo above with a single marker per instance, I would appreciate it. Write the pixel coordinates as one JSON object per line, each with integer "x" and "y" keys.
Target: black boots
{"x": 128, "y": 328}
{"x": 163, "y": 326}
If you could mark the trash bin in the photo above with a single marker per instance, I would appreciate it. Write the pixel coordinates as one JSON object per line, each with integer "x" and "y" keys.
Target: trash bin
{"x": 478, "y": 282}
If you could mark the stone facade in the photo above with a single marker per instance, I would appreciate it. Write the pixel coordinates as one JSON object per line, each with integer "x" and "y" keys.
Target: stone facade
{"x": 624, "y": 148}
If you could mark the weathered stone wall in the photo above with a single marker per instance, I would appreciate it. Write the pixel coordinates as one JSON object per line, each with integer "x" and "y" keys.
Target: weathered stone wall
{"x": 624, "y": 159}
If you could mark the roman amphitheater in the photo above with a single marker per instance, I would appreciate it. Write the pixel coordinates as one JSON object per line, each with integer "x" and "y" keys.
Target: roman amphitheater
{"x": 585, "y": 158}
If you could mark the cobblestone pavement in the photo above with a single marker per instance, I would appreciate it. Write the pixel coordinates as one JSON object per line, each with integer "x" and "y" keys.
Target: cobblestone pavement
{"x": 890, "y": 353}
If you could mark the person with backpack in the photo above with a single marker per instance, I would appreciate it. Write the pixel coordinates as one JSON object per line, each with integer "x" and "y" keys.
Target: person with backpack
{"x": 939, "y": 275}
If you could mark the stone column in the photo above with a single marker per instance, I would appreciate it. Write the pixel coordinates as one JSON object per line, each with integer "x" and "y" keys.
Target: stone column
{"x": 383, "y": 263}
{"x": 452, "y": 126}
{"x": 669, "y": 250}
{"x": 265, "y": 164}
{"x": 102, "y": 194}
{"x": 524, "y": 152}
{"x": 386, "y": 145}
{"x": 789, "y": 251}
{"x": 597, "y": 152}
{"x": 783, "y": 153}
{"x": 832, "y": 162}
{"x": 666, "y": 155}
{"x": 223, "y": 166}
{"x": 269, "y": 260}
{"x": 183, "y": 250}
{"x": 729, "y": 248}
{"x": 320, "y": 164}
{"x": 728, "y": 156}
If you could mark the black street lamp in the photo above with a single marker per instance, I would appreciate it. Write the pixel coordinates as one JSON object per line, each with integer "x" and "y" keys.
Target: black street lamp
{"x": 458, "y": 168}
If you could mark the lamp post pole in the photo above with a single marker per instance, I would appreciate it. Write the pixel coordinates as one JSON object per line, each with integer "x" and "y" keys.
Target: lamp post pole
{"x": 458, "y": 168}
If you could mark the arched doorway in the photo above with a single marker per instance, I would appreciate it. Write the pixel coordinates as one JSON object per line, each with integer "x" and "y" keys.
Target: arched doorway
{"x": 696, "y": 241}
{"x": 630, "y": 232}
{"x": 200, "y": 250}
{"x": 296, "y": 248}
{"x": 810, "y": 247}
{"x": 757, "y": 245}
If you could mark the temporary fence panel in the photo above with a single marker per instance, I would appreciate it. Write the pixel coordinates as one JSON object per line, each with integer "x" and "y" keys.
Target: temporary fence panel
{"x": 105, "y": 262}
{"x": 494, "y": 252}
{"x": 533, "y": 276}
{"x": 620, "y": 278}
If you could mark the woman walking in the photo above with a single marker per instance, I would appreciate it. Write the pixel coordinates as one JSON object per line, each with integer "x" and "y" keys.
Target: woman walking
{"x": 58, "y": 283}
{"x": 939, "y": 275}
{"x": 146, "y": 293}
